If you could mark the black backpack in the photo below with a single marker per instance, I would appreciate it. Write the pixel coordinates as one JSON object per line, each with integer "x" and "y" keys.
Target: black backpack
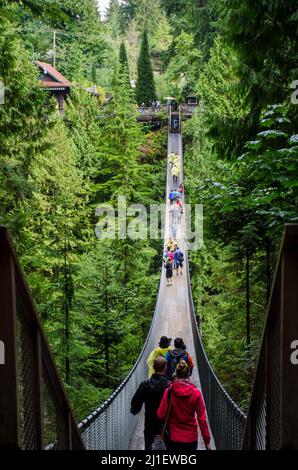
{"x": 181, "y": 256}
{"x": 172, "y": 364}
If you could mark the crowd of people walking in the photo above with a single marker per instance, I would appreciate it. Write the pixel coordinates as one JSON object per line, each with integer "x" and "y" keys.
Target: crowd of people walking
{"x": 174, "y": 406}
{"x": 173, "y": 259}
{"x": 174, "y": 162}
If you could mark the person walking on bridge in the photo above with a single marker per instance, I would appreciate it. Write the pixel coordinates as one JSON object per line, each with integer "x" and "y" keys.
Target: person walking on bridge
{"x": 163, "y": 347}
{"x": 178, "y": 260}
{"x": 176, "y": 355}
{"x": 151, "y": 392}
{"x": 172, "y": 196}
{"x": 186, "y": 404}
{"x": 169, "y": 271}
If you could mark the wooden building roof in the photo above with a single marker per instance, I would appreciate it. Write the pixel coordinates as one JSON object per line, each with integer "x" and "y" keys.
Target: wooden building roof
{"x": 51, "y": 78}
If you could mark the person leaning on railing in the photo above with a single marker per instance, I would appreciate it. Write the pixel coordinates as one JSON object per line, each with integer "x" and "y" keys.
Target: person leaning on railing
{"x": 185, "y": 402}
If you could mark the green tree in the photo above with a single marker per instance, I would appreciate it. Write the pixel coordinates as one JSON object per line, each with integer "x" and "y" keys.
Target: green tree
{"x": 123, "y": 64}
{"x": 22, "y": 129}
{"x": 145, "y": 89}
{"x": 265, "y": 36}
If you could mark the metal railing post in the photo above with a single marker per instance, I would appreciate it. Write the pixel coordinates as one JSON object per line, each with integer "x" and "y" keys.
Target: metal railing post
{"x": 289, "y": 337}
{"x": 9, "y": 415}
{"x": 38, "y": 405}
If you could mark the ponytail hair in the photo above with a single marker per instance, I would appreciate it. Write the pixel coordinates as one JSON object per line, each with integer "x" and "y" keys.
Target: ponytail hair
{"x": 182, "y": 369}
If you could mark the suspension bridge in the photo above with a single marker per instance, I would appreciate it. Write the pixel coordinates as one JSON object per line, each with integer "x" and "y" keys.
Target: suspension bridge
{"x": 34, "y": 409}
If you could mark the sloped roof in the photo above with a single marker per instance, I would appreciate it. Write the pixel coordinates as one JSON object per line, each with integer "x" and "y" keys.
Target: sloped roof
{"x": 58, "y": 78}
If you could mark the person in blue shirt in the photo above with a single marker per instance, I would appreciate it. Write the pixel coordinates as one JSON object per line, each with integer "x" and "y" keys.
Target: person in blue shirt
{"x": 172, "y": 196}
{"x": 178, "y": 260}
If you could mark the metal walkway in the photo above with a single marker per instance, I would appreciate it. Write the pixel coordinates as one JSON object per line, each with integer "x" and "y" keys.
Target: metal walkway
{"x": 173, "y": 316}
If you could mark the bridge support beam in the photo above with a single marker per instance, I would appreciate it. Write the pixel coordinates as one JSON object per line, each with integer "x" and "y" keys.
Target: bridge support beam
{"x": 9, "y": 416}
{"x": 289, "y": 342}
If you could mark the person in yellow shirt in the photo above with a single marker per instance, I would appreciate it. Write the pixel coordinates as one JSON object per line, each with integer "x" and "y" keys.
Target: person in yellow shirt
{"x": 170, "y": 244}
{"x": 164, "y": 347}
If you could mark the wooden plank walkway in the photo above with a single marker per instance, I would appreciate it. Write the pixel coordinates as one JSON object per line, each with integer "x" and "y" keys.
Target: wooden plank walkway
{"x": 174, "y": 314}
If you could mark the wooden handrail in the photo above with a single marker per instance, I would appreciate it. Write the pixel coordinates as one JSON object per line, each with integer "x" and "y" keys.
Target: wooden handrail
{"x": 34, "y": 408}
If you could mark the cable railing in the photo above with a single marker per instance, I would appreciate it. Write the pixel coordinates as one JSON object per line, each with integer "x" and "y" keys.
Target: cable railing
{"x": 34, "y": 409}
{"x": 272, "y": 414}
{"x": 226, "y": 419}
{"x": 111, "y": 426}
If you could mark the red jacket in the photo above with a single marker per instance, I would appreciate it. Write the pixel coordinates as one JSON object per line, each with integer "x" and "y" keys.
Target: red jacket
{"x": 187, "y": 401}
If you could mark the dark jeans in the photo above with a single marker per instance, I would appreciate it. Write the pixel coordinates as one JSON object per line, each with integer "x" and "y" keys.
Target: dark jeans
{"x": 149, "y": 439}
{"x": 181, "y": 446}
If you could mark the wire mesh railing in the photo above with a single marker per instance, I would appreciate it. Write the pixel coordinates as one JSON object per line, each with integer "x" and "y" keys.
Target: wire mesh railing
{"x": 272, "y": 414}
{"x": 111, "y": 426}
{"x": 35, "y": 412}
{"x": 226, "y": 419}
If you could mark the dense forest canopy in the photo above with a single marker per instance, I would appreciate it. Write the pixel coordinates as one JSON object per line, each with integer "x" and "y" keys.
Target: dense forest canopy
{"x": 96, "y": 298}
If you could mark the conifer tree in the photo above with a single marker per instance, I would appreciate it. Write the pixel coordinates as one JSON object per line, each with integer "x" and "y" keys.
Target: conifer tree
{"x": 145, "y": 89}
{"x": 123, "y": 64}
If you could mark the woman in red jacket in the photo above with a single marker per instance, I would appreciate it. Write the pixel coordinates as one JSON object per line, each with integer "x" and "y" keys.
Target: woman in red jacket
{"x": 186, "y": 402}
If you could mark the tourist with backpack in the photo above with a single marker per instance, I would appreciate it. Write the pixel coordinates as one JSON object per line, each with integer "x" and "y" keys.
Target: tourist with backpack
{"x": 168, "y": 254}
{"x": 183, "y": 406}
{"x": 176, "y": 355}
{"x": 163, "y": 347}
{"x": 150, "y": 392}
{"x": 178, "y": 261}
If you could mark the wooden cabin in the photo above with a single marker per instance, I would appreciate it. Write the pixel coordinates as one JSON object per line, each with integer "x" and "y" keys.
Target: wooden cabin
{"x": 55, "y": 83}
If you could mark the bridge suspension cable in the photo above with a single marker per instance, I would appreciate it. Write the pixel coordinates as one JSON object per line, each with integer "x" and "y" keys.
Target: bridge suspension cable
{"x": 34, "y": 408}
{"x": 112, "y": 426}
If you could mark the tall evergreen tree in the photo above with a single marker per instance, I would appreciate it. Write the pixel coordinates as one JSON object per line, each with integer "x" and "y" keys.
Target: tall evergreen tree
{"x": 123, "y": 64}
{"x": 114, "y": 18}
{"x": 145, "y": 89}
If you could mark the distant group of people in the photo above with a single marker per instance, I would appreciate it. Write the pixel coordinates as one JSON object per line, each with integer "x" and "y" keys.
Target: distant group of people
{"x": 153, "y": 104}
{"x": 175, "y": 198}
{"x": 176, "y": 195}
{"x": 174, "y": 161}
{"x": 174, "y": 406}
{"x": 170, "y": 397}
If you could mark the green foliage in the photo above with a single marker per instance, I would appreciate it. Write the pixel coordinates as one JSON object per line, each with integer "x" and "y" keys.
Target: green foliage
{"x": 265, "y": 36}
{"x": 96, "y": 297}
{"x": 223, "y": 107}
{"x": 145, "y": 89}
{"x": 183, "y": 69}
{"x": 22, "y": 127}
{"x": 115, "y": 19}
{"x": 123, "y": 64}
